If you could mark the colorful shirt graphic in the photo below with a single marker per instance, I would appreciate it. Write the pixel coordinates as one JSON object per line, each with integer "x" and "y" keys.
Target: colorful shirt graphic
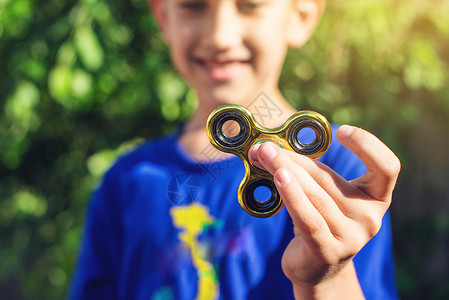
{"x": 192, "y": 220}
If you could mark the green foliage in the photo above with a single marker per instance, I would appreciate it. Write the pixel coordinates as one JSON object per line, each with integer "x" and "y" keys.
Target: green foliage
{"x": 82, "y": 81}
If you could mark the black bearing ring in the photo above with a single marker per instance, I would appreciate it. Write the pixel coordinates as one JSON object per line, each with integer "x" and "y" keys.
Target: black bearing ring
{"x": 316, "y": 145}
{"x": 259, "y": 208}
{"x": 223, "y": 139}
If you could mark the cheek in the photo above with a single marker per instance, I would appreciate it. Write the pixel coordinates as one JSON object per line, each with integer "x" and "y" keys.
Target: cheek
{"x": 269, "y": 46}
{"x": 270, "y": 36}
{"x": 180, "y": 43}
{"x": 180, "y": 35}
{"x": 186, "y": 33}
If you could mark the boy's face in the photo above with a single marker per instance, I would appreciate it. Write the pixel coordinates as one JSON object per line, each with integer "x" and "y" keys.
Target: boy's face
{"x": 231, "y": 50}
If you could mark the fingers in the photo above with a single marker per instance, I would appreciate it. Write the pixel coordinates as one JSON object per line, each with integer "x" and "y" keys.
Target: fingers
{"x": 310, "y": 224}
{"x": 336, "y": 200}
{"x": 329, "y": 182}
{"x": 277, "y": 162}
{"x": 383, "y": 166}
{"x": 335, "y": 185}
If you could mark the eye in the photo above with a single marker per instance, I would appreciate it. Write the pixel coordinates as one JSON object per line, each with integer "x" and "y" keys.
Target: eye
{"x": 250, "y": 5}
{"x": 193, "y": 5}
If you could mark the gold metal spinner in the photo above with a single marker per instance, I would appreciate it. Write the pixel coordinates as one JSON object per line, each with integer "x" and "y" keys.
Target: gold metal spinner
{"x": 250, "y": 132}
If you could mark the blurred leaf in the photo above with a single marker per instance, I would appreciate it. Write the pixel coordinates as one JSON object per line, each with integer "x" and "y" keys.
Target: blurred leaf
{"x": 170, "y": 88}
{"x": 21, "y": 105}
{"x": 98, "y": 163}
{"x": 28, "y": 204}
{"x": 81, "y": 84}
{"x": 425, "y": 67}
{"x": 59, "y": 83}
{"x": 15, "y": 16}
{"x": 89, "y": 48}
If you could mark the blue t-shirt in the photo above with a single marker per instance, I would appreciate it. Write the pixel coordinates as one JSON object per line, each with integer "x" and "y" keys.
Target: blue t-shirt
{"x": 163, "y": 226}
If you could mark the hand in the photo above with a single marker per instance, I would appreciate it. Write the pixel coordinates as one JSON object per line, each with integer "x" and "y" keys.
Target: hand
{"x": 333, "y": 218}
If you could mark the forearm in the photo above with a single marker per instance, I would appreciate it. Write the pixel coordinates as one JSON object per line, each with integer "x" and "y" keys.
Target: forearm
{"x": 344, "y": 285}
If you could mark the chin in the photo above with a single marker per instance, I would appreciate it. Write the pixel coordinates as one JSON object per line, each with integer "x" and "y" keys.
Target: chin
{"x": 233, "y": 97}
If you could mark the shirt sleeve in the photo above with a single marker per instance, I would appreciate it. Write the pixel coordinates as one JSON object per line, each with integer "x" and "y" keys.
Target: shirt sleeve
{"x": 98, "y": 259}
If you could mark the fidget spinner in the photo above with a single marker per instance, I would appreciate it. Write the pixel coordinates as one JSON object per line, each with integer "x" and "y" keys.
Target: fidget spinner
{"x": 236, "y": 118}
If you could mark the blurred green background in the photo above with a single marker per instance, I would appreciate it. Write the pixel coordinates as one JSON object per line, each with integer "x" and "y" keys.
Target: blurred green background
{"x": 82, "y": 81}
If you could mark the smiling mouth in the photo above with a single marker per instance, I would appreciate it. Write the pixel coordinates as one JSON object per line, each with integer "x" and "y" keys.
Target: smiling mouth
{"x": 221, "y": 70}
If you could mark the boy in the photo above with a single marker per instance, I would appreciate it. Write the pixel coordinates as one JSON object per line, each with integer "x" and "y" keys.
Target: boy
{"x": 160, "y": 227}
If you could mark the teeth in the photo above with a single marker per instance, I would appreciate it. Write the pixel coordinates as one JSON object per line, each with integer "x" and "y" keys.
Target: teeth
{"x": 221, "y": 70}
{"x": 218, "y": 64}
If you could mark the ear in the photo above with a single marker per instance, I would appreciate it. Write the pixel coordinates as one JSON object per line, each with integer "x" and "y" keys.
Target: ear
{"x": 304, "y": 17}
{"x": 159, "y": 10}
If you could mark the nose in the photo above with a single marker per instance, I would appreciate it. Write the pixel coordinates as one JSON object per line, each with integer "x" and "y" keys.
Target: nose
{"x": 224, "y": 30}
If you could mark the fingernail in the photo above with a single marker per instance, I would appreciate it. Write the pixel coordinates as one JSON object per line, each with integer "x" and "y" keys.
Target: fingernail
{"x": 268, "y": 152}
{"x": 283, "y": 176}
{"x": 345, "y": 131}
{"x": 253, "y": 152}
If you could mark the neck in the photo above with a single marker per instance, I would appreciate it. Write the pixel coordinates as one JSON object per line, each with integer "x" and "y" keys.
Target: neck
{"x": 269, "y": 111}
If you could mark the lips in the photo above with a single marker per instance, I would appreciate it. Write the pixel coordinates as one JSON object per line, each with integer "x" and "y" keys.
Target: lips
{"x": 222, "y": 70}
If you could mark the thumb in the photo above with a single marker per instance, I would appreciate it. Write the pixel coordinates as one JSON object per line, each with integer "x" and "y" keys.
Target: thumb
{"x": 382, "y": 165}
